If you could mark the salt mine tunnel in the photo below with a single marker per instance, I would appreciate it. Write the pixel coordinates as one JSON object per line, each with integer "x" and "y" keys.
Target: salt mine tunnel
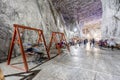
{"x": 59, "y": 39}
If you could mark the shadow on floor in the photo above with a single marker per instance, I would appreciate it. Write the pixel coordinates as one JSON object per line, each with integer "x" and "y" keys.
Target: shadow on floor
{"x": 31, "y": 73}
{"x": 19, "y": 63}
{"x": 36, "y": 63}
{"x": 44, "y": 61}
{"x": 25, "y": 75}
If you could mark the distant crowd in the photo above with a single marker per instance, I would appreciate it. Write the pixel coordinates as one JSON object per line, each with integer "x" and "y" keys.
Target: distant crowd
{"x": 84, "y": 42}
{"x": 107, "y": 43}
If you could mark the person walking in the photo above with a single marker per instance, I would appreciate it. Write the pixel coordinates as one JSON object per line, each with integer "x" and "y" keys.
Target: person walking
{"x": 112, "y": 44}
{"x": 85, "y": 42}
{"x": 93, "y": 42}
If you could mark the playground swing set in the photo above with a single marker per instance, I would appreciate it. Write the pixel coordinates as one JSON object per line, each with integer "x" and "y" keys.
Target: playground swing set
{"x": 58, "y": 44}
{"x": 16, "y": 39}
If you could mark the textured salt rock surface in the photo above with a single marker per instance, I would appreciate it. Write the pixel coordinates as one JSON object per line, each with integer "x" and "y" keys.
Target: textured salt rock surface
{"x": 111, "y": 19}
{"x": 81, "y": 10}
{"x": 88, "y": 10}
{"x": 35, "y": 13}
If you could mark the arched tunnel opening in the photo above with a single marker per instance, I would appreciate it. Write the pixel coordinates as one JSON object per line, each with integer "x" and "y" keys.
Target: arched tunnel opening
{"x": 86, "y": 17}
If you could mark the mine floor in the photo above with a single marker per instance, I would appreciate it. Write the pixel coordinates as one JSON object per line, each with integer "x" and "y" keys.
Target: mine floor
{"x": 78, "y": 64}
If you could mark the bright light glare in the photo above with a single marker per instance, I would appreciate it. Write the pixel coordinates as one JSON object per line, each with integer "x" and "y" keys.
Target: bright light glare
{"x": 75, "y": 29}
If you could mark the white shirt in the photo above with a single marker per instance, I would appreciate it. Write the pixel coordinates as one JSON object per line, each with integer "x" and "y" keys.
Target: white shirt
{"x": 112, "y": 43}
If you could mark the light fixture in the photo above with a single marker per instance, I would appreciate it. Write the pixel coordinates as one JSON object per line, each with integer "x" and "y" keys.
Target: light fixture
{"x": 75, "y": 29}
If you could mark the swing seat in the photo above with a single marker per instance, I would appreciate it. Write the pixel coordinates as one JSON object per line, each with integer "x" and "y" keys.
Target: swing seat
{"x": 33, "y": 50}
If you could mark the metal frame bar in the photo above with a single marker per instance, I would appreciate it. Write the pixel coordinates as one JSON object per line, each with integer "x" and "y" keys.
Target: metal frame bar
{"x": 54, "y": 38}
{"x": 16, "y": 34}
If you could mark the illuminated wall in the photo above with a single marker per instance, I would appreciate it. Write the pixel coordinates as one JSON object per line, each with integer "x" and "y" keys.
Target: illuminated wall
{"x": 92, "y": 30}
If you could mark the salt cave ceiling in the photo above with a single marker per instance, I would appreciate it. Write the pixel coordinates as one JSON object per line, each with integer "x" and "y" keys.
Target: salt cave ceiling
{"x": 79, "y": 10}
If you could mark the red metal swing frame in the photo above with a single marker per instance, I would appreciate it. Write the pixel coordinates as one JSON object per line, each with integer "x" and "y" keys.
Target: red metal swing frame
{"x": 17, "y": 39}
{"x": 54, "y": 38}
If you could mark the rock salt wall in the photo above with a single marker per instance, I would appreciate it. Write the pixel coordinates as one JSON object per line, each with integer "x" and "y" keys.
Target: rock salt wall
{"x": 35, "y": 13}
{"x": 111, "y": 19}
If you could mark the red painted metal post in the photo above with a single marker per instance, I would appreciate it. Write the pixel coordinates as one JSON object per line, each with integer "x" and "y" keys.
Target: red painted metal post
{"x": 61, "y": 38}
{"x": 22, "y": 50}
{"x": 11, "y": 47}
{"x": 58, "y": 46}
{"x": 45, "y": 44}
{"x": 39, "y": 37}
{"x": 66, "y": 42}
{"x": 50, "y": 44}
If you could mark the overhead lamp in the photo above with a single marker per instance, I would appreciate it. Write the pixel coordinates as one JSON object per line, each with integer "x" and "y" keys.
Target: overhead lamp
{"x": 75, "y": 29}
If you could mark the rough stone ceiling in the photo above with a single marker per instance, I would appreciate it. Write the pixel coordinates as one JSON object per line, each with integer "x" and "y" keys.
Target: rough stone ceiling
{"x": 79, "y": 10}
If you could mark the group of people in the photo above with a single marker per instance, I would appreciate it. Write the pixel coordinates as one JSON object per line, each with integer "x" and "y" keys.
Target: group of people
{"x": 62, "y": 44}
{"x": 84, "y": 42}
{"x": 91, "y": 41}
{"x": 110, "y": 43}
